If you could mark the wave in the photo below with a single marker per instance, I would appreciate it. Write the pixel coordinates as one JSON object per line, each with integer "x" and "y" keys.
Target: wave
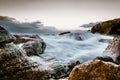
{"x": 63, "y": 49}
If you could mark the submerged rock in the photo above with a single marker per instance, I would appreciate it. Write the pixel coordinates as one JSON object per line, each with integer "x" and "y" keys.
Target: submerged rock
{"x": 63, "y": 33}
{"x": 72, "y": 64}
{"x": 106, "y": 59}
{"x": 107, "y": 27}
{"x": 105, "y": 40}
{"x": 32, "y": 44}
{"x": 96, "y": 70}
{"x": 77, "y": 36}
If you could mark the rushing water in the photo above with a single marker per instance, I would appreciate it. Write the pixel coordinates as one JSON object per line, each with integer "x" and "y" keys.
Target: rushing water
{"x": 65, "y": 48}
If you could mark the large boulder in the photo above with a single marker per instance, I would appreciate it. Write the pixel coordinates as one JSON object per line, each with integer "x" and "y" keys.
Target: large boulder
{"x": 107, "y": 27}
{"x": 14, "y": 64}
{"x": 96, "y": 70}
{"x": 32, "y": 44}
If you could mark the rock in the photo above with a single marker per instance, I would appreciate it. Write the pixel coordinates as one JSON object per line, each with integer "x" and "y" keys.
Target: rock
{"x": 111, "y": 27}
{"x": 72, "y": 64}
{"x": 14, "y": 64}
{"x": 105, "y": 40}
{"x": 26, "y": 38}
{"x": 32, "y": 44}
{"x": 113, "y": 49}
{"x": 77, "y": 36}
{"x": 6, "y": 18}
{"x": 63, "y": 33}
{"x": 96, "y": 70}
{"x": 107, "y": 27}
{"x": 5, "y": 37}
{"x": 59, "y": 71}
{"x": 106, "y": 59}
{"x": 34, "y": 48}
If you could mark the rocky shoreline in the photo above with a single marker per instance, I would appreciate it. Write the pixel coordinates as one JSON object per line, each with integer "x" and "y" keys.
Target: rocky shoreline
{"x": 102, "y": 68}
{"x": 16, "y": 64}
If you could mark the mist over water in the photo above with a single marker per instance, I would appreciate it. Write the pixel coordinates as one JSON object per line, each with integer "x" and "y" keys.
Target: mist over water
{"x": 63, "y": 49}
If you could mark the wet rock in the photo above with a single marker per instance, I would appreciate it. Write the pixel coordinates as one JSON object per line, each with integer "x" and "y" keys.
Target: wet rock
{"x": 72, "y": 64}
{"x": 59, "y": 71}
{"x": 96, "y": 70}
{"x": 77, "y": 36}
{"x": 111, "y": 27}
{"x": 113, "y": 49}
{"x": 106, "y": 59}
{"x": 105, "y": 40}
{"x": 34, "y": 47}
{"x": 63, "y": 33}
{"x": 15, "y": 65}
{"x": 26, "y": 38}
{"x": 32, "y": 44}
{"x": 5, "y": 37}
{"x": 107, "y": 27}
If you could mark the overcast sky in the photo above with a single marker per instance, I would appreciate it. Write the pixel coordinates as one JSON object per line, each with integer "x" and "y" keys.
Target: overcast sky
{"x": 63, "y": 14}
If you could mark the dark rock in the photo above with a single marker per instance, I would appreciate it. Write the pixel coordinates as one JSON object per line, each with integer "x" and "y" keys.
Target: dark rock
{"x": 106, "y": 59}
{"x": 5, "y": 36}
{"x": 95, "y": 70}
{"x": 26, "y": 38}
{"x": 32, "y": 44}
{"x": 77, "y": 36}
{"x": 107, "y": 27}
{"x": 63, "y": 33}
{"x": 59, "y": 71}
{"x": 72, "y": 64}
{"x": 34, "y": 47}
{"x": 105, "y": 40}
{"x": 6, "y": 18}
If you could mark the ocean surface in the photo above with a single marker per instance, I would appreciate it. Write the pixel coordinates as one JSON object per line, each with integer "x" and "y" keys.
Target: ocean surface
{"x": 62, "y": 49}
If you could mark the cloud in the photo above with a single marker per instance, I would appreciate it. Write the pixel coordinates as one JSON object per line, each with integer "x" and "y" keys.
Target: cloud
{"x": 14, "y": 26}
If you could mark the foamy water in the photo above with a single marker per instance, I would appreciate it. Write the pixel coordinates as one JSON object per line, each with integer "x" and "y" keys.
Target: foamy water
{"x": 65, "y": 48}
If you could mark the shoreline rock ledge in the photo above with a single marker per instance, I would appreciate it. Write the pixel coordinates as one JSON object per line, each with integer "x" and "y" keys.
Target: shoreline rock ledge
{"x": 110, "y": 27}
{"x": 100, "y": 69}
{"x": 14, "y": 64}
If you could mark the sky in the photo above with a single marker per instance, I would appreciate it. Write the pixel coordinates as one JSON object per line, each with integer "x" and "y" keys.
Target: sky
{"x": 62, "y": 14}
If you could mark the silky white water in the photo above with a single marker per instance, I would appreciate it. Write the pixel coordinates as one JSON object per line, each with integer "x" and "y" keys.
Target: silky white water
{"x": 65, "y": 48}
